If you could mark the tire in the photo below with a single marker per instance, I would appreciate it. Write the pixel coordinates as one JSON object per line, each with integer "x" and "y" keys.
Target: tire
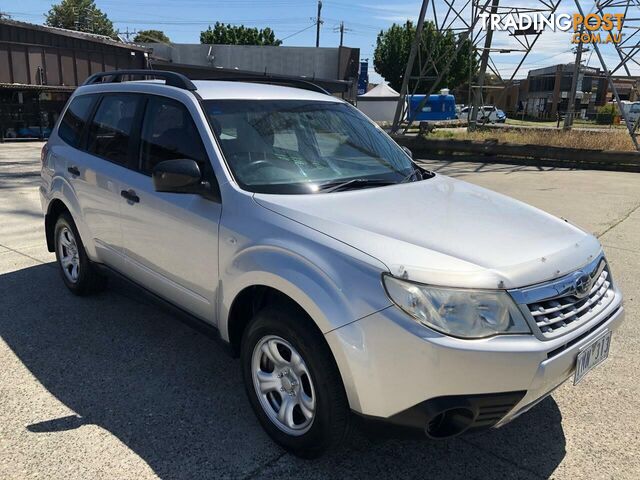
{"x": 77, "y": 271}
{"x": 316, "y": 377}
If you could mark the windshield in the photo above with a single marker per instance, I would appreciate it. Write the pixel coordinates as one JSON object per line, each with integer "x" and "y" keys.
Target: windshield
{"x": 300, "y": 146}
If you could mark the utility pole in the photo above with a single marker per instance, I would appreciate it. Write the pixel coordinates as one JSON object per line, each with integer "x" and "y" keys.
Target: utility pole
{"x": 341, "y": 29}
{"x": 127, "y": 33}
{"x": 318, "y": 23}
{"x": 568, "y": 117}
{"x": 484, "y": 61}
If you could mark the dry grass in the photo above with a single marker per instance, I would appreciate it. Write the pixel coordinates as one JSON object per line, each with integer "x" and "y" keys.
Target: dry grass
{"x": 612, "y": 139}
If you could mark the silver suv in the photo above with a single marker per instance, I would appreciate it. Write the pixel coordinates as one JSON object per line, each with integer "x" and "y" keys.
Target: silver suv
{"x": 351, "y": 282}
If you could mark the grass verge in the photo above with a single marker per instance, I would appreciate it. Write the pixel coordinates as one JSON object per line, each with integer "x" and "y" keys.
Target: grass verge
{"x": 607, "y": 140}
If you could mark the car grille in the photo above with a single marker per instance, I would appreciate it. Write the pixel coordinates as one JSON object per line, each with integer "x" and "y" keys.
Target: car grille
{"x": 559, "y": 315}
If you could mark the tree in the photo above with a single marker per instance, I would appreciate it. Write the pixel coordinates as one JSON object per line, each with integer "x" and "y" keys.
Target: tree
{"x": 222, "y": 34}
{"x": 151, "y": 36}
{"x": 80, "y": 15}
{"x": 392, "y": 54}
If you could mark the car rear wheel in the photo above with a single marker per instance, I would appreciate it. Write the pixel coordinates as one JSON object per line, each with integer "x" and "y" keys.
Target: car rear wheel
{"x": 78, "y": 273}
{"x": 293, "y": 383}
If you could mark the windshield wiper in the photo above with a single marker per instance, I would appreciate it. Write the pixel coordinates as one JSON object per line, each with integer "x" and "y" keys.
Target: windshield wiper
{"x": 334, "y": 187}
{"x": 329, "y": 187}
{"x": 414, "y": 173}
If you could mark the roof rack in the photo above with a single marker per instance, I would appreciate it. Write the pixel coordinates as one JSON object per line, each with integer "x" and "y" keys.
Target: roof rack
{"x": 284, "y": 82}
{"x": 172, "y": 79}
{"x": 175, "y": 79}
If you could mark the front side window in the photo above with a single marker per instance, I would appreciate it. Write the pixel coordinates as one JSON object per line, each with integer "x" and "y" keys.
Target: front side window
{"x": 75, "y": 119}
{"x": 111, "y": 127}
{"x": 169, "y": 133}
{"x": 299, "y": 146}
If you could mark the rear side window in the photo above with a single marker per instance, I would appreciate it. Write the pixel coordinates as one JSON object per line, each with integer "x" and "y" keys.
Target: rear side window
{"x": 169, "y": 133}
{"x": 111, "y": 127}
{"x": 75, "y": 119}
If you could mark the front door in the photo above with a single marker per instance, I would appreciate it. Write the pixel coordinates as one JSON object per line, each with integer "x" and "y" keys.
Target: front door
{"x": 171, "y": 239}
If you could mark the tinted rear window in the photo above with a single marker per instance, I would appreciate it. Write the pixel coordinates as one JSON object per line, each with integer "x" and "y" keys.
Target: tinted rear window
{"x": 75, "y": 119}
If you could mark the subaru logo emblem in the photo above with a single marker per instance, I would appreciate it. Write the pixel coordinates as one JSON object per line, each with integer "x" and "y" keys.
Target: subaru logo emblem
{"x": 582, "y": 286}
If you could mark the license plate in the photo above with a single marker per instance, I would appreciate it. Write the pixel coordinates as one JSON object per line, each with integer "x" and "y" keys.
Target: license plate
{"x": 592, "y": 355}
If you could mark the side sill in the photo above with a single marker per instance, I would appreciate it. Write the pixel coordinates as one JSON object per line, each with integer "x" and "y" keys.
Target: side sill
{"x": 185, "y": 317}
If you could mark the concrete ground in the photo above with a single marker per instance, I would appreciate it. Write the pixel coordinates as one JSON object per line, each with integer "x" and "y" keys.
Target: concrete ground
{"x": 113, "y": 386}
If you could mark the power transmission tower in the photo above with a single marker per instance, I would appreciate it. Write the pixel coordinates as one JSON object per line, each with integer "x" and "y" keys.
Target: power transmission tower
{"x": 476, "y": 90}
{"x": 423, "y": 72}
{"x": 577, "y": 70}
{"x": 627, "y": 50}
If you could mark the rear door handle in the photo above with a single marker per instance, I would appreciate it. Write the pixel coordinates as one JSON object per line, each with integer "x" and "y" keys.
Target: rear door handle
{"x": 73, "y": 170}
{"x": 130, "y": 195}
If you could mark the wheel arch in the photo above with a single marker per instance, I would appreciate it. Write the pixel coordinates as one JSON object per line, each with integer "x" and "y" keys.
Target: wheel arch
{"x": 250, "y": 301}
{"x": 252, "y": 298}
{"x": 63, "y": 198}
{"x": 55, "y": 209}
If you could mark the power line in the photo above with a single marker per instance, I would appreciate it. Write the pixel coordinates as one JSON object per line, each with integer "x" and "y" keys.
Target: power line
{"x": 299, "y": 31}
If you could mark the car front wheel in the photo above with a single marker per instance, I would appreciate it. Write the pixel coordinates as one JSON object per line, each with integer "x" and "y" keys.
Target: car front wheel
{"x": 293, "y": 383}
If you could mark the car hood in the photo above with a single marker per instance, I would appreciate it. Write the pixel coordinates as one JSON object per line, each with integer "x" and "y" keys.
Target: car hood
{"x": 443, "y": 231}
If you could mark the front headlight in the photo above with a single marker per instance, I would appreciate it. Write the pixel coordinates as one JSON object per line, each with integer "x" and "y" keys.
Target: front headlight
{"x": 457, "y": 312}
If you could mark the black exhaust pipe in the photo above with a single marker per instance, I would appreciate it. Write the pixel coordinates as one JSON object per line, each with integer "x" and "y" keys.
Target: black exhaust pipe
{"x": 449, "y": 423}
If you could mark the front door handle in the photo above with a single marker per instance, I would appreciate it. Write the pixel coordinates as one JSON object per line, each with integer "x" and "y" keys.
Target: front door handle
{"x": 73, "y": 170}
{"x": 130, "y": 195}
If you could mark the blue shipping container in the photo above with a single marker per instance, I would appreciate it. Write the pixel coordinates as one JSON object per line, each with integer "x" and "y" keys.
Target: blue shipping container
{"x": 438, "y": 107}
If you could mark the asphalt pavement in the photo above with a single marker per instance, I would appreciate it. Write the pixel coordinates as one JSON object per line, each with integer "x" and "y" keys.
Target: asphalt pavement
{"x": 114, "y": 386}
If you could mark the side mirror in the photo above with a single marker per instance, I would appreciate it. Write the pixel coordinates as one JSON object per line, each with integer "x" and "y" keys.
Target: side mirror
{"x": 408, "y": 152}
{"x": 177, "y": 176}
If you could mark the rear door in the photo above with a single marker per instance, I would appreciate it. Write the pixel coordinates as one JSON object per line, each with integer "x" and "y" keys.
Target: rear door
{"x": 92, "y": 172}
{"x": 108, "y": 155}
{"x": 171, "y": 239}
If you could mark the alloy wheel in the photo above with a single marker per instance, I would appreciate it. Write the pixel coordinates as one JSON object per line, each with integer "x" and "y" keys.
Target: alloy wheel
{"x": 283, "y": 385}
{"x": 68, "y": 254}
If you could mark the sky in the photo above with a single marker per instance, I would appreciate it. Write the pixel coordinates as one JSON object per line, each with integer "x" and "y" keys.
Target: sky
{"x": 293, "y": 22}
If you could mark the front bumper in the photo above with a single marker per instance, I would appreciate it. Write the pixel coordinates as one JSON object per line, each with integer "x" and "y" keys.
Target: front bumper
{"x": 392, "y": 367}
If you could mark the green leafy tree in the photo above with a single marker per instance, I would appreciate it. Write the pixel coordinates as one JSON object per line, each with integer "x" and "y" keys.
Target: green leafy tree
{"x": 151, "y": 36}
{"x": 80, "y": 15}
{"x": 392, "y": 54}
{"x": 222, "y": 34}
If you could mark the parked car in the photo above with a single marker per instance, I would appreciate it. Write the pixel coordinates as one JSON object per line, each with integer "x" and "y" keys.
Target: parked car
{"x": 634, "y": 112}
{"x": 34, "y": 132}
{"x": 486, "y": 114}
{"x": 287, "y": 220}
